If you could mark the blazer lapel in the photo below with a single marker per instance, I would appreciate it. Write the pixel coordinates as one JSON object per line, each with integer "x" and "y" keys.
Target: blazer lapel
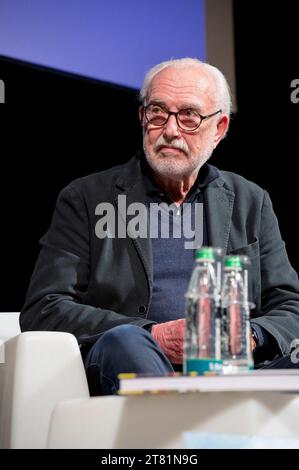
{"x": 143, "y": 245}
{"x": 131, "y": 185}
{"x": 218, "y": 207}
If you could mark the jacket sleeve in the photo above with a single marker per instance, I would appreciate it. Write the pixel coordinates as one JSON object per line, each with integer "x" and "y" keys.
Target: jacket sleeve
{"x": 279, "y": 313}
{"x": 57, "y": 291}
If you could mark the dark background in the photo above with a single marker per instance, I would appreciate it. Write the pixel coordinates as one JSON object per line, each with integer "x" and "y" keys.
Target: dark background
{"x": 58, "y": 127}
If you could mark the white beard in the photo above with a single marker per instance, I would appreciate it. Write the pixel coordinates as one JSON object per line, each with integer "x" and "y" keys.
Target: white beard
{"x": 170, "y": 167}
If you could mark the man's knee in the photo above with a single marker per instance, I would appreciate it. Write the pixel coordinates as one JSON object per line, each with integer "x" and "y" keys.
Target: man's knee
{"x": 120, "y": 340}
{"x": 124, "y": 336}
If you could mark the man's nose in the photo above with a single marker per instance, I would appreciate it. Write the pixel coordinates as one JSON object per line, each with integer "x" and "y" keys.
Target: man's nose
{"x": 171, "y": 129}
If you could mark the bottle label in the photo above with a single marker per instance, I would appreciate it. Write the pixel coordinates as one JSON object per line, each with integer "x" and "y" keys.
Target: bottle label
{"x": 203, "y": 366}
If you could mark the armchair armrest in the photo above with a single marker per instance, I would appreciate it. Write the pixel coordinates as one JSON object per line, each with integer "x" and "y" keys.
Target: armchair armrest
{"x": 39, "y": 370}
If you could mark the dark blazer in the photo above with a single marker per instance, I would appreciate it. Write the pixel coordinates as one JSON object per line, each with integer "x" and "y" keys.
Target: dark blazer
{"x": 86, "y": 285}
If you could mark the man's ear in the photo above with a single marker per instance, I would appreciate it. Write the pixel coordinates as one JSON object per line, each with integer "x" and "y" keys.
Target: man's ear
{"x": 141, "y": 115}
{"x": 222, "y": 127}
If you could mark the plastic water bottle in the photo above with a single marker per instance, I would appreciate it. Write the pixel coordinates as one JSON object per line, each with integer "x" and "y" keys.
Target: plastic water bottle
{"x": 202, "y": 349}
{"x": 235, "y": 323}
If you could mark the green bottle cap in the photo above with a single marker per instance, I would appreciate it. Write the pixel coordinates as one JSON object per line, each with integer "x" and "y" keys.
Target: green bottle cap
{"x": 206, "y": 253}
{"x": 233, "y": 262}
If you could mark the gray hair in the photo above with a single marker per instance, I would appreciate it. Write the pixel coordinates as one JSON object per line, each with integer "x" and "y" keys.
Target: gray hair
{"x": 224, "y": 100}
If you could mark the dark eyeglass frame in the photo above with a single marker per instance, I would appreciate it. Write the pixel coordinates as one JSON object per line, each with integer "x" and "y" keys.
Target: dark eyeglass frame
{"x": 172, "y": 113}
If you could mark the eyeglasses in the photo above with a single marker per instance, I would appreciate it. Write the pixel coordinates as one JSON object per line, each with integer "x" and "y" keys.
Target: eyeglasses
{"x": 187, "y": 119}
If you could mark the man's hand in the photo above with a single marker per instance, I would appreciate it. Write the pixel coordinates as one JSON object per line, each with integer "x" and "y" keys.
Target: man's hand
{"x": 253, "y": 342}
{"x": 170, "y": 337}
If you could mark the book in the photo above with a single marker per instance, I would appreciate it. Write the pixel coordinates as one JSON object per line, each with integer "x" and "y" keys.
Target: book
{"x": 257, "y": 380}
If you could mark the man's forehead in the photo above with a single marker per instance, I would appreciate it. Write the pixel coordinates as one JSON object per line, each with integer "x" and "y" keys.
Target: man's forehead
{"x": 186, "y": 84}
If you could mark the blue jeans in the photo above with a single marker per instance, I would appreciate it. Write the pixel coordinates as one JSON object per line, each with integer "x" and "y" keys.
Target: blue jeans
{"x": 125, "y": 348}
{"x": 132, "y": 349}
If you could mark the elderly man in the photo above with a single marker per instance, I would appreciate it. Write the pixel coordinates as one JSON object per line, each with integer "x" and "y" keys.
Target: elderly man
{"x": 123, "y": 296}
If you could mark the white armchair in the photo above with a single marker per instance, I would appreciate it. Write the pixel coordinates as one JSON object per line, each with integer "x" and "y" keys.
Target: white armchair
{"x": 38, "y": 370}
